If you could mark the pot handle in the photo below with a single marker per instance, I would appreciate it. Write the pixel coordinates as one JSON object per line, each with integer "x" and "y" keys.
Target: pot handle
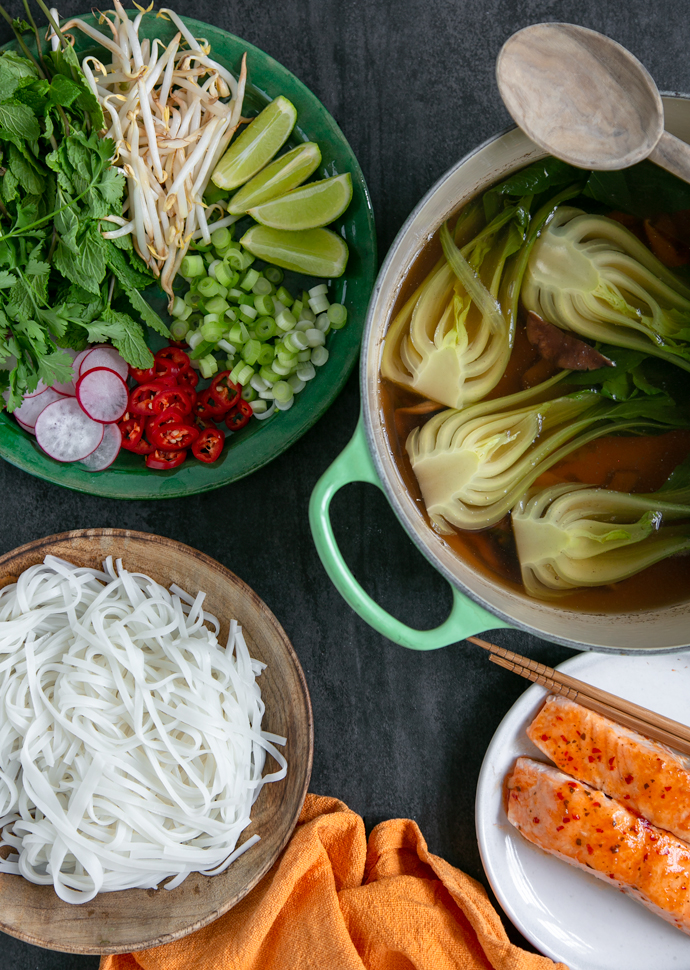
{"x": 354, "y": 464}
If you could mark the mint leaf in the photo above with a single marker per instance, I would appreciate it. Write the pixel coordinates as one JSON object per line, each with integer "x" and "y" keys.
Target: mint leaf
{"x": 18, "y": 120}
{"x": 87, "y": 266}
{"x": 63, "y": 90}
{"x": 25, "y": 172}
{"x": 132, "y": 345}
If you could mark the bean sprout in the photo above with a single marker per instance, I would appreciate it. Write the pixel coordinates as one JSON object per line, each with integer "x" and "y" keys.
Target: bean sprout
{"x": 131, "y": 748}
{"x": 170, "y": 127}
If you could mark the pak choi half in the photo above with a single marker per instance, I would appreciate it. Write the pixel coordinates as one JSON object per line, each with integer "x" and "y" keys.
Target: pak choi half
{"x": 474, "y": 464}
{"x": 571, "y": 536}
{"x": 589, "y": 274}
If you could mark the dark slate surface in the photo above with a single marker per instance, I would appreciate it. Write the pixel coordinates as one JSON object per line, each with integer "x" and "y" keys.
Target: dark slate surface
{"x": 411, "y": 83}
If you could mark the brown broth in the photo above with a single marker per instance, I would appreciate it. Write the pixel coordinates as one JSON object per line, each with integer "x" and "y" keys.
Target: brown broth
{"x": 639, "y": 464}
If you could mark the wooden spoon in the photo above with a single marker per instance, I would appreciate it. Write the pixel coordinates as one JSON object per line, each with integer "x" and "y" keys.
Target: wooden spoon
{"x": 585, "y": 99}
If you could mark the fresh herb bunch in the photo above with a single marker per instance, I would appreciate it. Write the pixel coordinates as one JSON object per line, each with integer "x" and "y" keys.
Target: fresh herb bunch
{"x": 61, "y": 283}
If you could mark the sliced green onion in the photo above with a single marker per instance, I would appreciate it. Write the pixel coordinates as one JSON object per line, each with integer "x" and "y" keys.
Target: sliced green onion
{"x": 217, "y": 305}
{"x": 245, "y": 374}
{"x": 194, "y": 339}
{"x": 269, "y": 374}
{"x": 265, "y": 305}
{"x": 202, "y": 349}
{"x": 179, "y": 329}
{"x": 265, "y": 327}
{"x": 235, "y": 295}
{"x": 258, "y": 383}
{"x": 296, "y": 384}
{"x": 296, "y": 308}
{"x": 251, "y": 351}
{"x": 306, "y": 371}
{"x": 315, "y": 338}
{"x": 307, "y": 314}
{"x": 284, "y": 296}
{"x": 225, "y": 345}
{"x": 262, "y": 287}
{"x": 319, "y": 356}
{"x": 212, "y": 267}
{"x": 248, "y": 393}
{"x": 238, "y": 333}
{"x": 282, "y": 392}
{"x": 213, "y": 330}
{"x": 208, "y": 366}
{"x": 192, "y": 266}
{"x": 285, "y": 406}
{"x": 234, "y": 259}
{"x": 323, "y": 323}
{"x": 320, "y": 290}
{"x": 225, "y": 275}
{"x": 303, "y": 356}
{"x": 274, "y": 275}
{"x": 296, "y": 341}
{"x": 249, "y": 280}
{"x": 258, "y": 407}
{"x": 337, "y": 314}
{"x": 248, "y": 311}
{"x": 303, "y": 325}
{"x": 178, "y": 308}
{"x": 266, "y": 354}
{"x": 221, "y": 238}
{"x": 319, "y": 305}
{"x": 285, "y": 320}
{"x": 208, "y": 287}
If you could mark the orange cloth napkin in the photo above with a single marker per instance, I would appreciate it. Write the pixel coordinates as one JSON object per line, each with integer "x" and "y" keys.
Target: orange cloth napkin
{"x": 332, "y": 902}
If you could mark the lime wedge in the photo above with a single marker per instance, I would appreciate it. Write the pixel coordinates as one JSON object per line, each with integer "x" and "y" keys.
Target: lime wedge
{"x": 313, "y": 205}
{"x": 314, "y": 252}
{"x": 257, "y": 144}
{"x": 285, "y": 173}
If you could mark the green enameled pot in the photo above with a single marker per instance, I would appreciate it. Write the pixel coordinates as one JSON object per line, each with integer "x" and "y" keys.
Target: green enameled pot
{"x": 479, "y": 603}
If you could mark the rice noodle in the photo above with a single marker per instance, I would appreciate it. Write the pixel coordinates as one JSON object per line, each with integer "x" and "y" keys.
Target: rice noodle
{"x": 149, "y": 98}
{"x": 131, "y": 748}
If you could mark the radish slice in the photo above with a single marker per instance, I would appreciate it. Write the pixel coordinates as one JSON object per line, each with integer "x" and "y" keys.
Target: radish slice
{"x": 107, "y": 451}
{"x": 102, "y": 394}
{"x": 25, "y": 427}
{"x": 30, "y": 408}
{"x": 104, "y": 357}
{"x": 78, "y": 359}
{"x": 65, "y": 432}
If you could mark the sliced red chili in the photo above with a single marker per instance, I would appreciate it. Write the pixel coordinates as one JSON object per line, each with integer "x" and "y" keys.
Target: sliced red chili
{"x": 209, "y": 406}
{"x": 131, "y": 428}
{"x": 188, "y": 377}
{"x": 223, "y": 389}
{"x": 141, "y": 398}
{"x": 172, "y": 397}
{"x": 209, "y": 445}
{"x": 175, "y": 356}
{"x": 169, "y": 416}
{"x": 166, "y": 370}
{"x": 203, "y": 423}
{"x": 162, "y": 460}
{"x": 142, "y": 376}
{"x": 172, "y": 437}
{"x": 239, "y": 416}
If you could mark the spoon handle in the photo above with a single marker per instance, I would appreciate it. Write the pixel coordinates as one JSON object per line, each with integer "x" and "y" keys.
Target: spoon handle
{"x": 672, "y": 154}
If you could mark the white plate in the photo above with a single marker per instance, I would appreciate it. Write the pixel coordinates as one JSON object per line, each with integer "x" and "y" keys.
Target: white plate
{"x": 567, "y": 914}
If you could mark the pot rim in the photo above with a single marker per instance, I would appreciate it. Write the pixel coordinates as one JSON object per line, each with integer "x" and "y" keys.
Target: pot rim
{"x": 376, "y": 448}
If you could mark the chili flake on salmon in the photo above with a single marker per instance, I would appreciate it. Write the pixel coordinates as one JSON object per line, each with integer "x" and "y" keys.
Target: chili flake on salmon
{"x": 586, "y": 828}
{"x": 647, "y": 777}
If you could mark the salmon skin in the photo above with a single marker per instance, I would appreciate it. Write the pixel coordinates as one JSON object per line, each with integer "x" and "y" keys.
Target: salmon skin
{"x": 644, "y": 775}
{"x": 589, "y": 830}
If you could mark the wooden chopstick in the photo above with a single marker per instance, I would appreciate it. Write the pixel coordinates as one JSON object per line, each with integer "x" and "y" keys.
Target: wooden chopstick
{"x": 624, "y": 712}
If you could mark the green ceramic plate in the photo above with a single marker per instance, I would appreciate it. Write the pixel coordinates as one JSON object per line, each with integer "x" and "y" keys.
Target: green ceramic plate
{"x": 259, "y": 442}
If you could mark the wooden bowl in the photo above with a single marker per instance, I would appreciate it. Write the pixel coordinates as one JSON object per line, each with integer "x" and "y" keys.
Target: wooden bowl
{"x": 118, "y": 922}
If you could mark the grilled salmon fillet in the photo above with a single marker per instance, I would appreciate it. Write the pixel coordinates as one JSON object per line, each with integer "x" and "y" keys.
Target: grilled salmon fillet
{"x": 644, "y": 775}
{"x": 589, "y": 830}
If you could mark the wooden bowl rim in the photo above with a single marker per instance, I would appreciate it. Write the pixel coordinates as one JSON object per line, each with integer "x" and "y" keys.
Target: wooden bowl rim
{"x": 40, "y": 544}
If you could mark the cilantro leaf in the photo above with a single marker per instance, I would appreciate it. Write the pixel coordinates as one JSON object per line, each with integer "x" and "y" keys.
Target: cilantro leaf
{"x": 55, "y": 367}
